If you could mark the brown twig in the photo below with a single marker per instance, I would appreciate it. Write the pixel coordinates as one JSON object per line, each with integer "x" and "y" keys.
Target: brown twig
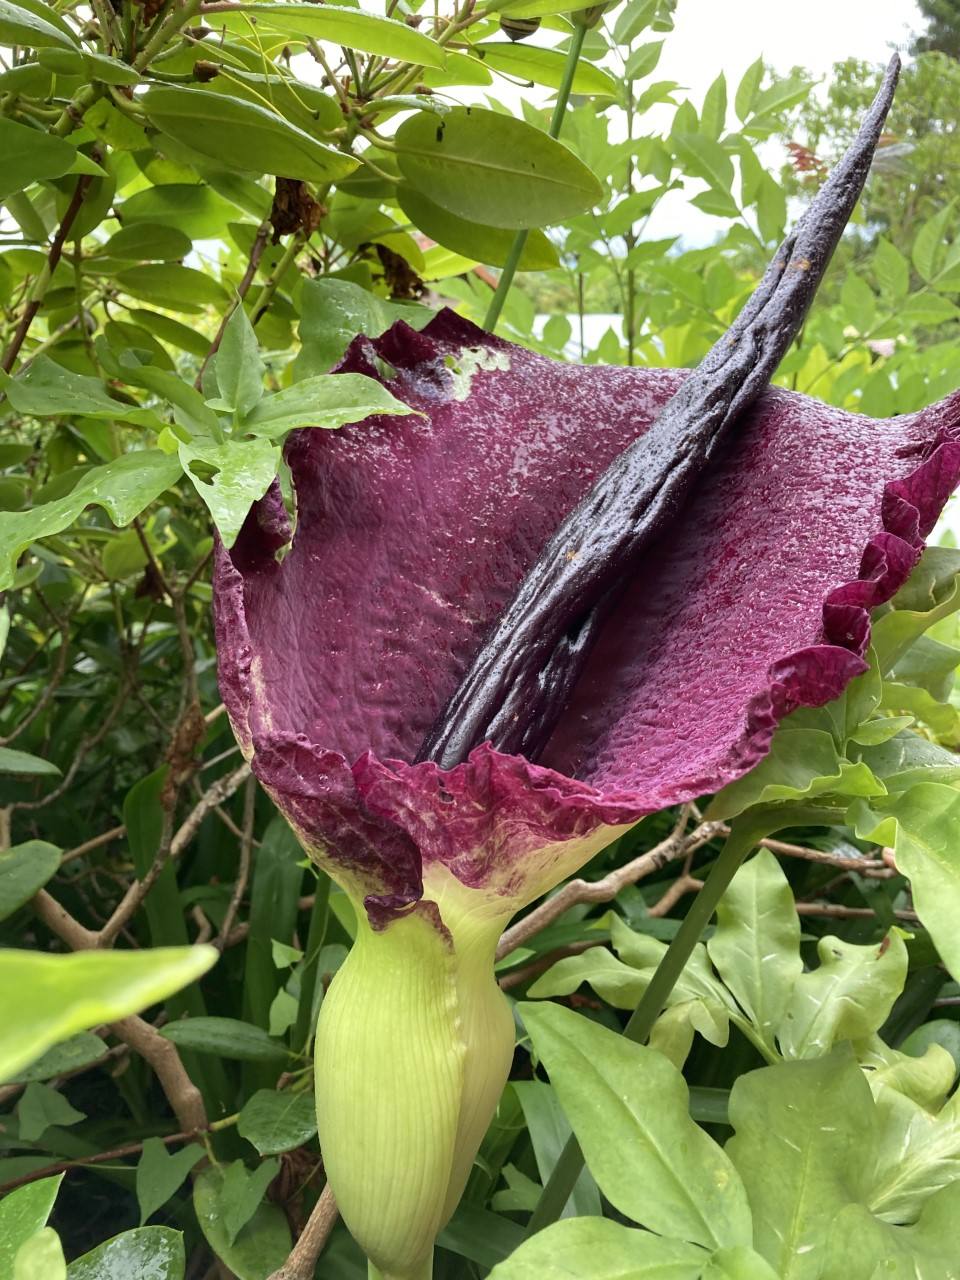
{"x": 533, "y": 968}
{"x": 256, "y": 253}
{"x": 302, "y": 1262}
{"x": 836, "y": 911}
{"x": 53, "y": 257}
{"x": 101, "y": 1157}
{"x": 97, "y": 842}
{"x": 575, "y": 892}
{"x": 243, "y": 868}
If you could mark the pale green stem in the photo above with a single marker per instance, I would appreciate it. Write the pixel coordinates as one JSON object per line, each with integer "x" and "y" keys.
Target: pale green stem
{"x": 422, "y": 1273}
{"x": 520, "y": 240}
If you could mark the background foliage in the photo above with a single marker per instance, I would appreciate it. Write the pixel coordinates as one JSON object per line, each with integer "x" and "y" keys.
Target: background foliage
{"x": 201, "y": 205}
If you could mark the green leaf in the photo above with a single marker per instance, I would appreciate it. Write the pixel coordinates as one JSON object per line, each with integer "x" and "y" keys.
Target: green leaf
{"x": 194, "y": 209}
{"x": 29, "y": 154}
{"x": 172, "y": 331}
{"x": 477, "y": 242}
{"x": 146, "y": 241}
{"x": 739, "y": 1263}
{"x": 802, "y": 1145}
{"x": 862, "y": 1248}
{"x": 927, "y": 820}
{"x": 46, "y": 389}
{"x": 304, "y": 105}
{"x": 930, "y": 242}
{"x": 24, "y": 869}
{"x": 147, "y": 1253}
{"x": 40, "y": 1107}
{"x": 859, "y": 304}
{"x": 918, "y": 1153}
{"x": 242, "y": 1192}
{"x": 50, "y": 997}
{"x": 239, "y": 369}
{"x": 549, "y": 1131}
{"x": 704, "y": 158}
{"x": 20, "y": 25}
{"x": 544, "y": 66}
{"x": 756, "y": 945}
{"x": 161, "y": 1173}
{"x": 493, "y": 169}
{"x": 262, "y": 1245}
{"x": 643, "y": 60}
{"x": 847, "y": 997}
{"x": 891, "y": 269}
{"x": 123, "y": 488}
{"x": 275, "y": 1122}
{"x": 333, "y": 312}
{"x": 79, "y": 1051}
{"x": 353, "y": 28}
{"x": 748, "y": 90}
{"x": 243, "y": 470}
{"x": 167, "y": 284}
{"x": 40, "y": 1258}
{"x": 14, "y": 761}
{"x": 629, "y": 1109}
{"x": 602, "y": 1250}
{"x": 713, "y": 114}
{"x": 23, "y": 1213}
{"x": 243, "y": 134}
{"x": 326, "y": 400}
{"x": 227, "y": 1038}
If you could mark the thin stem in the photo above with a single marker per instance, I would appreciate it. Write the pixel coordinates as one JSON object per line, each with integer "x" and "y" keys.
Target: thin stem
{"x": 556, "y": 123}
{"x": 423, "y": 1272}
{"x": 745, "y": 834}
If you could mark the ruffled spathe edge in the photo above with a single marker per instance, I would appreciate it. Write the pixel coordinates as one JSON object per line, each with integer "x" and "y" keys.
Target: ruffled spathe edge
{"x": 377, "y": 823}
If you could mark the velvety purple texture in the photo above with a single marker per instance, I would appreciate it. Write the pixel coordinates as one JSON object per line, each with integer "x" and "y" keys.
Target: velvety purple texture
{"x": 413, "y": 533}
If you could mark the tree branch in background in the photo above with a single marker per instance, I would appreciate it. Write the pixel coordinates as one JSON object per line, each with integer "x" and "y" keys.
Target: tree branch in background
{"x": 302, "y": 1262}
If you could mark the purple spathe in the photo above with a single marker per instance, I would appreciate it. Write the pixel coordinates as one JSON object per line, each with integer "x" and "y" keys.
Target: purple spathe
{"x": 414, "y": 532}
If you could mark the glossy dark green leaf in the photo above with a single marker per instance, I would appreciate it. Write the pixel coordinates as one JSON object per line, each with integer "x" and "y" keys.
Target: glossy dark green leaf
{"x": 482, "y": 244}
{"x": 24, "y": 869}
{"x": 39, "y": 1107}
{"x": 493, "y": 169}
{"x": 230, "y": 477}
{"x": 23, "y": 1213}
{"x": 161, "y": 1172}
{"x": 21, "y": 25}
{"x": 147, "y": 1253}
{"x": 227, "y": 1038}
{"x": 333, "y": 312}
{"x": 261, "y": 1247}
{"x": 170, "y": 285}
{"x": 275, "y": 1122}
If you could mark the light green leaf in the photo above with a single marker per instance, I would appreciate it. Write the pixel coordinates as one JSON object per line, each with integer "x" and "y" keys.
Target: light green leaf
{"x": 50, "y": 997}
{"x": 748, "y": 90}
{"x": 918, "y": 1153}
{"x": 167, "y": 284}
{"x": 549, "y": 1132}
{"x": 40, "y": 1107}
{"x": 756, "y": 945}
{"x": 859, "y": 304}
{"x": 544, "y": 66}
{"x": 23, "y": 1213}
{"x": 242, "y": 471}
{"x": 353, "y": 28}
{"x": 46, "y": 389}
{"x": 847, "y": 997}
{"x": 239, "y": 369}
{"x": 304, "y": 105}
{"x": 891, "y": 269}
{"x": 145, "y": 241}
{"x": 803, "y": 1147}
{"x": 862, "y": 1248}
{"x": 326, "y": 400}
{"x": 629, "y": 1108}
{"x": 20, "y": 25}
{"x": 242, "y": 1192}
{"x": 40, "y": 1258}
{"x": 480, "y": 243}
{"x": 643, "y": 60}
{"x": 333, "y": 312}
{"x": 493, "y": 169}
{"x": 602, "y": 1250}
{"x": 739, "y": 1263}
{"x": 30, "y": 155}
{"x": 927, "y": 848}
{"x": 262, "y": 1245}
{"x": 23, "y": 870}
{"x": 243, "y": 134}
{"x": 194, "y": 208}
{"x": 161, "y": 1173}
{"x": 704, "y": 158}
{"x": 930, "y": 242}
{"x": 227, "y": 1038}
{"x": 123, "y": 488}
{"x": 22, "y": 762}
{"x": 146, "y": 1253}
{"x": 713, "y": 114}
{"x": 275, "y": 1122}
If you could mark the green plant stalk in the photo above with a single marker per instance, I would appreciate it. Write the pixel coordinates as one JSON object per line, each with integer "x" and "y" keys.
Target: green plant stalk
{"x": 746, "y": 831}
{"x": 556, "y": 123}
{"x": 425, "y": 1274}
{"x": 308, "y": 976}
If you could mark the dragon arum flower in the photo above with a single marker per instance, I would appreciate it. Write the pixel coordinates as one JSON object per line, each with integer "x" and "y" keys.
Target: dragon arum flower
{"x": 338, "y": 651}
